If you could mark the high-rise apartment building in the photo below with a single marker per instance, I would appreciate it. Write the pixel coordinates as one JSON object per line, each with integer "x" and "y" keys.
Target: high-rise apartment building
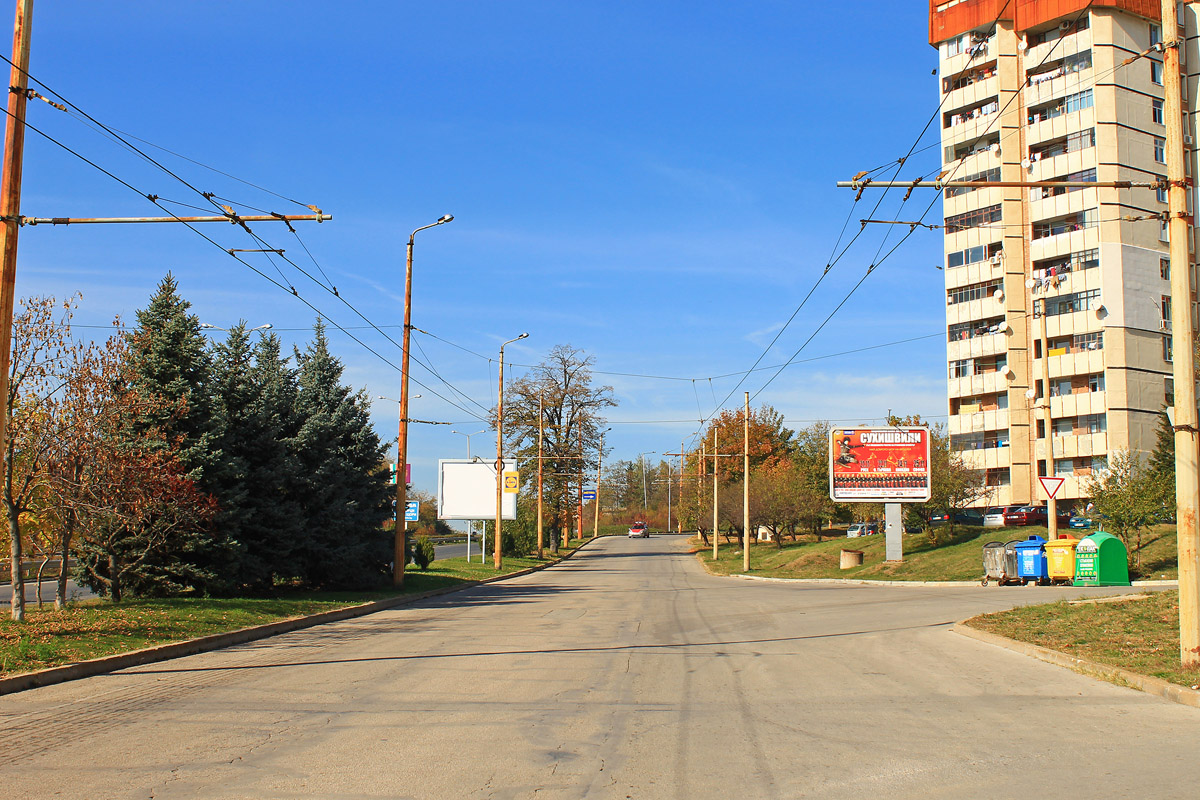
{"x": 1056, "y": 295}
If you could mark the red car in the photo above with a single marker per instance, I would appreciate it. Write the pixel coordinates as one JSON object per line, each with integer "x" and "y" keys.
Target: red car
{"x": 1032, "y": 515}
{"x": 639, "y": 530}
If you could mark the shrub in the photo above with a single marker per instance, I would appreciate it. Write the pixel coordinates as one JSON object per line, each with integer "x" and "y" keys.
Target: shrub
{"x": 423, "y": 552}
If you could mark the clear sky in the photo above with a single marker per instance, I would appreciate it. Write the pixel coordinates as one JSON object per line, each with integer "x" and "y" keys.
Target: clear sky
{"x": 650, "y": 182}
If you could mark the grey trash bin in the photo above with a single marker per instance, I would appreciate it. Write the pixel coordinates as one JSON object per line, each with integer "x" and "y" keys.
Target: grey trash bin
{"x": 1012, "y": 564}
{"x": 993, "y": 562}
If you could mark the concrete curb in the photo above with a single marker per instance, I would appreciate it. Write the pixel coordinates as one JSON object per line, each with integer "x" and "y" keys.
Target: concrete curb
{"x": 1122, "y": 677}
{"x": 868, "y": 582}
{"x": 217, "y": 641}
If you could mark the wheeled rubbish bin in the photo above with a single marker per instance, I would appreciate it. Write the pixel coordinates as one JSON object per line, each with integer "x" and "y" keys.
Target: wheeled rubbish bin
{"x": 993, "y": 562}
{"x": 1031, "y": 561}
{"x": 1101, "y": 560}
{"x": 1060, "y": 559}
{"x": 1011, "y": 563}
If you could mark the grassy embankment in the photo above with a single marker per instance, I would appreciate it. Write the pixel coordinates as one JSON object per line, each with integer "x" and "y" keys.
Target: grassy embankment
{"x": 958, "y": 557}
{"x": 1140, "y": 635}
{"x": 95, "y": 628}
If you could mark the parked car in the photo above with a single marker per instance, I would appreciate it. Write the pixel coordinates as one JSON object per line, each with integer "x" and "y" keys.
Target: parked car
{"x": 862, "y": 529}
{"x": 995, "y": 517}
{"x": 966, "y": 517}
{"x": 1077, "y": 521}
{"x": 1033, "y": 515}
{"x": 639, "y": 529}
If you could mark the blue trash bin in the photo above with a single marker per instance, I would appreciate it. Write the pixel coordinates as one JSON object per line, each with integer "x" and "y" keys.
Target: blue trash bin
{"x": 1031, "y": 561}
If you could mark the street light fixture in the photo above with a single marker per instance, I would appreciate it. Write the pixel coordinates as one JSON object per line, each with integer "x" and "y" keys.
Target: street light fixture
{"x": 402, "y": 439}
{"x": 500, "y": 448}
{"x": 642, "y": 458}
{"x": 469, "y": 435}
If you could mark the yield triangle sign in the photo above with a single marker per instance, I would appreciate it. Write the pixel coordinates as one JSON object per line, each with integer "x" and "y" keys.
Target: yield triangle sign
{"x": 1052, "y": 485}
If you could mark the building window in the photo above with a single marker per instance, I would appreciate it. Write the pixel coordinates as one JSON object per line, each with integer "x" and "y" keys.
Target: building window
{"x": 1156, "y": 72}
{"x": 1095, "y": 383}
{"x": 1080, "y": 140}
{"x": 1088, "y": 341}
{"x": 1165, "y": 306}
{"x": 1155, "y": 34}
{"x": 976, "y": 291}
{"x": 973, "y": 219}
{"x": 1167, "y": 349}
{"x": 1091, "y": 423}
{"x": 969, "y": 330}
{"x": 1065, "y": 224}
{"x": 968, "y": 77}
{"x": 972, "y": 255}
{"x": 956, "y": 152}
{"x": 987, "y": 175}
{"x": 973, "y": 112}
{"x": 1164, "y": 268}
{"x": 1066, "y": 105}
{"x": 1160, "y": 150}
{"x": 1156, "y": 111}
{"x": 1064, "y": 467}
{"x": 962, "y": 369}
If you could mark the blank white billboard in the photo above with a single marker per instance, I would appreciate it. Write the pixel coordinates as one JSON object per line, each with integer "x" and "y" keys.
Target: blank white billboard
{"x": 467, "y": 490}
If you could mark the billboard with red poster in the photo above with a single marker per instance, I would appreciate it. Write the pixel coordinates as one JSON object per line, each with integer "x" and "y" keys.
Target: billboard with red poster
{"x": 879, "y": 465}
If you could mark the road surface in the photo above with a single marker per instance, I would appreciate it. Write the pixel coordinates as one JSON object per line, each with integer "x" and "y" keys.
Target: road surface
{"x": 74, "y": 592}
{"x": 625, "y": 672}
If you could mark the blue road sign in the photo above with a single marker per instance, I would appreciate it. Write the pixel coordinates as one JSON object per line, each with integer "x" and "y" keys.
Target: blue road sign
{"x": 589, "y": 495}
{"x": 411, "y": 510}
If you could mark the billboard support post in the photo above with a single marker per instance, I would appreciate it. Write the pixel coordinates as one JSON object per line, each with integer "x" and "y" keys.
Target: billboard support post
{"x": 893, "y": 531}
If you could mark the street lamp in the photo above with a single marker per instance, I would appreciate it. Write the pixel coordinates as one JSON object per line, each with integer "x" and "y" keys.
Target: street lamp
{"x": 599, "y": 462}
{"x": 468, "y": 435}
{"x": 402, "y": 440}
{"x": 500, "y": 448}
{"x": 642, "y": 458}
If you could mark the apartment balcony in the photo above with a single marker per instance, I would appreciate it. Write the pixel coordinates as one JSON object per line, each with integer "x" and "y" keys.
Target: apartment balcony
{"x": 978, "y": 421}
{"x": 986, "y": 457}
{"x": 1084, "y": 321}
{"x": 989, "y": 344}
{"x": 1073, "y": 405}
{"x": 1056, "y": 128}
{"x": 972, "y": 385}
{"x": 1060, "y": 205}
{"x": 1083, "y": 362}
{"x": 976, "y": 272}
{"x": 1075, "y": 446}
{"x": 969, "y": 95}
{"x": 1067, "y": 242}
{"x": 1057, "y": 48}
{"x": 985, "y": 308}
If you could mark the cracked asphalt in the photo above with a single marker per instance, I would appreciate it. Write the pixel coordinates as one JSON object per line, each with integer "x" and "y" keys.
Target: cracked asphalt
{"x": 626, "y": 672}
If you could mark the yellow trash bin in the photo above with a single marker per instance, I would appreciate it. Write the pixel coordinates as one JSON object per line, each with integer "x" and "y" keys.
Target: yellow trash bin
{"x": 1060, "y": 559}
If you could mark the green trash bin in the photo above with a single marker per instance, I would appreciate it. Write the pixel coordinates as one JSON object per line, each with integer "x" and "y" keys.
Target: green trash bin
{"x": 1100, "y": 560}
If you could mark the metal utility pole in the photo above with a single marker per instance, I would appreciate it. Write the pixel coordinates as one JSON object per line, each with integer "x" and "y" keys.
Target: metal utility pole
{"x": 496, "y": 559}
{"x": 1048, "y": 421}
{"x": 746, "y": 488}
{"x": 1187, "y": 454}
{"x": 400, "y": 552}
{"x": 541, "y": 540}
{"x": 10, "y": 210}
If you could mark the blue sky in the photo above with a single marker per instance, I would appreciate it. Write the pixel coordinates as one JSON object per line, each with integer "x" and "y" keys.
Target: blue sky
{"x": 651, "y": 183}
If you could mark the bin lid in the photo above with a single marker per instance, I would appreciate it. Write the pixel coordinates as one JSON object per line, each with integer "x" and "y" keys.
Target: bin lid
{"x": 1062, "y": 542}
{"x": 1032, "y": 541}
{"x": 990, "y": 545}
{"x": 1092, "y": 541}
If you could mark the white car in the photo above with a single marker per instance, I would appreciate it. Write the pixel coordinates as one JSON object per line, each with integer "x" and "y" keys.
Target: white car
{"x": 993, "y": 518}
{"x": 856, "y": 530}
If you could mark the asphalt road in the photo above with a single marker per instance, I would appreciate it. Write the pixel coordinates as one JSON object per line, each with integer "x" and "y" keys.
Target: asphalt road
{"x": 74, "y": 592}
{"x": 626, "y": 672}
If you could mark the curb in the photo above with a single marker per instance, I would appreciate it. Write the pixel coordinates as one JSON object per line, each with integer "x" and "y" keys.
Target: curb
{"x": 218, "y": 641}
{"x": 1122, "y": 677}
{"x": 868, "y": 582}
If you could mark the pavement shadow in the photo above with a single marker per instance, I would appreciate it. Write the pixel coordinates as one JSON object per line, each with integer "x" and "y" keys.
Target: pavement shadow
{"x": 631, "y": 648}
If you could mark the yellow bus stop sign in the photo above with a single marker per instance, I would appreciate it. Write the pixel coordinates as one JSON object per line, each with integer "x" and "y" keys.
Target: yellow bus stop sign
{"x": 512, "y": 482}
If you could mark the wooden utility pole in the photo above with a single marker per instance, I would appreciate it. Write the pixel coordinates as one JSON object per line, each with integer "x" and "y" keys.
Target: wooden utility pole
{"x": 10, "y": 212}
{"x": 1187, "y": 454}
{"x": 579, "y": 512}
{"x": 682, "y": 467}
{"x": 399, "y": 548}
{"x": 746, "y": 487}
{"x": 541, "y": 540}
{"x": 599, "y": 460}
{"x": 716, "y": 538}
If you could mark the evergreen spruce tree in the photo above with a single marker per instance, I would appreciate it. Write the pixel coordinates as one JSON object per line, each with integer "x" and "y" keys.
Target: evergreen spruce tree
{"x": 1161, "y": 468}
{"x": 272, "y": 526}
{"x": 169, "y": 360}
{"x": 344, "y": 494}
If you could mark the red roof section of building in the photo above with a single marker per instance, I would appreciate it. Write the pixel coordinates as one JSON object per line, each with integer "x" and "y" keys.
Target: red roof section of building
{"x": 970, "y": 14}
